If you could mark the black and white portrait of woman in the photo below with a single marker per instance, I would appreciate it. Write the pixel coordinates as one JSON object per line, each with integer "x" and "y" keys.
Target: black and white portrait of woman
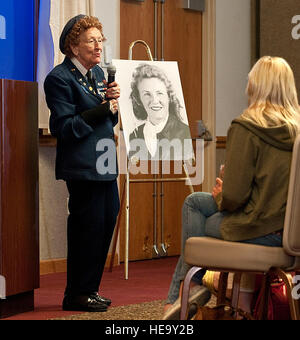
{"x": 157, "y": 125}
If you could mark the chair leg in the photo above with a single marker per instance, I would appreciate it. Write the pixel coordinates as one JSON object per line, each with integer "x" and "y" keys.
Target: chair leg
{"x": 236, "y": 291}
{"x": 262, "y": 312}
{"x": 186, "y": 291}
{"x": 288, "y": 280}
{"x": 222, "y": 288}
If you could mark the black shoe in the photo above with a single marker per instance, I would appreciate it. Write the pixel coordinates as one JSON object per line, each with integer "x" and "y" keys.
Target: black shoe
{"x": 83, "y": 303}
{"x": 101, "y": 299}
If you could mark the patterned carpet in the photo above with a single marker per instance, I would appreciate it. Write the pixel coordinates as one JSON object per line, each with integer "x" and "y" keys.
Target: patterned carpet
{"x": 143, "y": 311}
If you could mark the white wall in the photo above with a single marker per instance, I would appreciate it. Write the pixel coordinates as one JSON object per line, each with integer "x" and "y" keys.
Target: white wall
{"x": 233, "y": 60}
{"x": 53, "y": 210}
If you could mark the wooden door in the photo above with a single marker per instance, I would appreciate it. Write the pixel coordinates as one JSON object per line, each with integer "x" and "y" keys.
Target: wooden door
{"x": 181, "y": 42}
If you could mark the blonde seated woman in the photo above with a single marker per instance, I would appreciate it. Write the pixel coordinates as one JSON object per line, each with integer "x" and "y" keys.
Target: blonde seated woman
{"x": 248, "y": 205}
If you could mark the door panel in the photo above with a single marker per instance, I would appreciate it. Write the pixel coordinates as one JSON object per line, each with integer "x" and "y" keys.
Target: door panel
{"x": 141, "y": 220}
{"x": 183, "y": 37}
{"x": 136, "y": 23}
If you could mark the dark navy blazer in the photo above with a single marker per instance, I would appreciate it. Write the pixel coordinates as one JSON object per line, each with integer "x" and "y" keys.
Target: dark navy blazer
{"x": 68, "y": 94}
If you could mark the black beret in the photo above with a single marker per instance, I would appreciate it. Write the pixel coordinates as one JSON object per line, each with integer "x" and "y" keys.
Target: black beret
{"x": 67, "y": 29}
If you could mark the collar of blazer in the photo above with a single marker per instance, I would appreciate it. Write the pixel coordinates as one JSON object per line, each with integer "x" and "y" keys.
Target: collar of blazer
{"x": 99, "y": 87}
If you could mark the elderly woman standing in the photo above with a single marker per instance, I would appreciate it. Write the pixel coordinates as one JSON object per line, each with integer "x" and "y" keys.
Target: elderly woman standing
{"x": 84, "y": 112}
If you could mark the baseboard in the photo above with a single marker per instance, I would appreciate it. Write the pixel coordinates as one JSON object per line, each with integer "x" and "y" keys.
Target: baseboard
{"x": 53, "y": 266}
{"x": 60, "y": 265}
{"x": 17, "y": 304}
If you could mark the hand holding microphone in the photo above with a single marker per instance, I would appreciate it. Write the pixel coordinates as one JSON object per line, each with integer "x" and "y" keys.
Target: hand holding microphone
{"x": 113, "y": 89}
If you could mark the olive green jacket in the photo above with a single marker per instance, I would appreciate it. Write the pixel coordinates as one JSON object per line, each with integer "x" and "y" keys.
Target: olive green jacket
{"x": 256, "y": 180}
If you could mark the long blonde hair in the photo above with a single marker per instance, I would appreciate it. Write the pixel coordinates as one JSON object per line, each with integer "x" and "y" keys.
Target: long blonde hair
{"x": 272, "y": 94}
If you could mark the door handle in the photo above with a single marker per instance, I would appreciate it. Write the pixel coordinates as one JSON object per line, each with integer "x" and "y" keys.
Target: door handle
{"x": 203, "y": 132}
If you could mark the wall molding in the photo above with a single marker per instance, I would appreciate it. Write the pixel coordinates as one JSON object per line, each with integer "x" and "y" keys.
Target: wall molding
{"x": 221, "y": 142}
{"x": 45, "y": 138}
{"x": 255, "y": 31}
{"x": 55, "y": 266}
{"x": 209, "y": 92}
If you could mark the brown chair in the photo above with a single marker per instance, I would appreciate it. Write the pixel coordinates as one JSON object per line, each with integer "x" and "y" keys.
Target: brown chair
{"x": 236, "y": 257}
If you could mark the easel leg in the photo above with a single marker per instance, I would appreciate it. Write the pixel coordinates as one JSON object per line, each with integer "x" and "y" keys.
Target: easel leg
{"x": 117, "y": 231}
{"x": 188, "y": 177}
{"x": 127, "y": 225}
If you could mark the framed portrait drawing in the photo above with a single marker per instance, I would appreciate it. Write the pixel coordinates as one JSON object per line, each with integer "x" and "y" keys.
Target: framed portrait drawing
{"x": 153, "y": 112}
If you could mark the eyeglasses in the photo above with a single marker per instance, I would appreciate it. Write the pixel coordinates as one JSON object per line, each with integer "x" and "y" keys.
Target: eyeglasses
{"x": 94, "y": 41}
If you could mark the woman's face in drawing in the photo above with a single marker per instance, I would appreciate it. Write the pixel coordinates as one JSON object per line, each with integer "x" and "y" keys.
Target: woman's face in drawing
{"x": 155, "y": 99}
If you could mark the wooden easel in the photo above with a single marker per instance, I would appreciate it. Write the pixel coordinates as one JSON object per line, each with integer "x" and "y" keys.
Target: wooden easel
{"x": 125, "y": 187}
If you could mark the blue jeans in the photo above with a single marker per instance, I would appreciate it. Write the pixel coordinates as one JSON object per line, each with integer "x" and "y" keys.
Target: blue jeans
{"x": 200, "y": 217}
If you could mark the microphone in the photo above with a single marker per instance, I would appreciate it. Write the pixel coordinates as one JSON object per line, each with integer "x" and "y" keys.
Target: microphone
{"x": 111, "y": 71}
